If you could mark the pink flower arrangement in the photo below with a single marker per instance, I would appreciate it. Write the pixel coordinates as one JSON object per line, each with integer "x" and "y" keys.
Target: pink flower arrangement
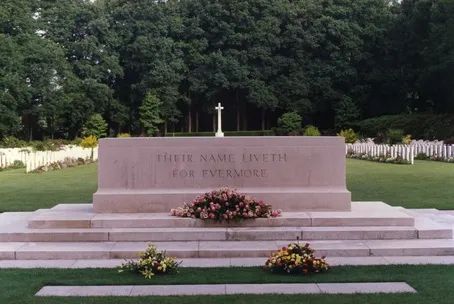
{"x": 225, "y": 204}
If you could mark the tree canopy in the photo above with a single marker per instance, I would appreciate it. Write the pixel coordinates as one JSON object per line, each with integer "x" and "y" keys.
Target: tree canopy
{"x": 332, "y": 62}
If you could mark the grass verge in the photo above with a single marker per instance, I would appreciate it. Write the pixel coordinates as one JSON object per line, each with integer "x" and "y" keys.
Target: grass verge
{"x": 435, "y": 284}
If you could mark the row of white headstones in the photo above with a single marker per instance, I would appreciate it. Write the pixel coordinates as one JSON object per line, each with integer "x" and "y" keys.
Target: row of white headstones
{"x": 36, "y": 159}
{"x": 406, "y": 152}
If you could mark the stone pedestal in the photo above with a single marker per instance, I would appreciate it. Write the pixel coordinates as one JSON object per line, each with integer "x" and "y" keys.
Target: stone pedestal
{"x": 138, "y": 175}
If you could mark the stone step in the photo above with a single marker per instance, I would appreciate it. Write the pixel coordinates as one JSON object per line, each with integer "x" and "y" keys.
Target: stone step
{"x": 226, "y": 249}
{"x": 218, "y": 233}
{"x": 82, "y": 216}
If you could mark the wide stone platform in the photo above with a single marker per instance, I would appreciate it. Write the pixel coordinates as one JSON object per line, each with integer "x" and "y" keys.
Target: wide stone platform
{"x": 76, "y": 232}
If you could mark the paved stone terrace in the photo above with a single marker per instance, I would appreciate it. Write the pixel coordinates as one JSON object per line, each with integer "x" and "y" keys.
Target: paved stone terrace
{"x": 230, "y": 262}
{"x": 226, "y": 289}
{"x": 372, "y": 232}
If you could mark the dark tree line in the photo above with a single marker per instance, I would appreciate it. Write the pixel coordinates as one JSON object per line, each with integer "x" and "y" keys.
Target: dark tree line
{"x": 332, "y": 61}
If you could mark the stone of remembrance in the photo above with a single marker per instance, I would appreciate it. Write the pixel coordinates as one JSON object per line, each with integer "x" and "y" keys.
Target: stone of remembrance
{"x": 157, "y": 174}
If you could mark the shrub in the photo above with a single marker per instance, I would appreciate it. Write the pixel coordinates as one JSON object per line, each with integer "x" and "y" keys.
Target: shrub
{"x": 95, "y": 126}
{"x": 419, "y": 125}
{"x": 225, "y": 204}
{"x": 381, "y": 158}
{"x": 151, "y": 262}
{"x": 151, "y": 113}
{"x": 45, "y": 145}
{"x": 311, "y": 131}
{"x": 289, "y": 123}
{"x": 406, "y": 139}
{"x": 77, "y": 141}
{"x": 346, "y": 111}
{"x": 449, "y": 141}
{"x": 123, "y": 135}
{"x": 380, "y": 138}
{"x": 15, "y": 165}
{"x": 241, "y": 133}
{"x": 349, "y": 135}
{"x": 12, "y": 142}
{"x": 89, "y": 142}
{"x": 296, "y": 259}
{"x": 421, "y": 156}
{"x": 394, "y": 136}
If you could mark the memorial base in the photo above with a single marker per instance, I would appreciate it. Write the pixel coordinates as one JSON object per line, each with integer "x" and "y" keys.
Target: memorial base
{"x": 160, "y": 200}
{"x": 76, "y": 232}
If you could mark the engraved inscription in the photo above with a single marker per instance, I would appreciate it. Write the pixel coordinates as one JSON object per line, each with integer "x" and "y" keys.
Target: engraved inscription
{"x": 220, "y": 165}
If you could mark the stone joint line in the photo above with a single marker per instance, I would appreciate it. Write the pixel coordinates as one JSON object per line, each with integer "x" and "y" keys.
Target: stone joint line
{"x": 226, "y": 289}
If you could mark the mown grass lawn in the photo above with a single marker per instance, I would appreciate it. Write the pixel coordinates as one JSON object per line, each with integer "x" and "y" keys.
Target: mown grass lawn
{"x": 426, "y": 184}
{"x": 28, "y": 192}
{"x": 435, "y": 284}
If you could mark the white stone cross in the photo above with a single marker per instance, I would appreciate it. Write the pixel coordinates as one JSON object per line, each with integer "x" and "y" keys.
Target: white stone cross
{"x": 219, "y": 133}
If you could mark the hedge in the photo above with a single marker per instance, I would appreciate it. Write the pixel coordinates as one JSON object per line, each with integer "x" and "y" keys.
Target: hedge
{"x": 419, "y": 126}
{"x": 226, "y": 133}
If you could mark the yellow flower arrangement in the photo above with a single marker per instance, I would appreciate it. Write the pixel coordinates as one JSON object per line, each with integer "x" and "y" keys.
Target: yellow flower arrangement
{"x": 151, "y": 262}
{"x": 296, "y": 259}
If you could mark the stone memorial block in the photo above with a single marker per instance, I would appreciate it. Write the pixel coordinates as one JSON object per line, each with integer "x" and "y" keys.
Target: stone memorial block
{"x": 138, "y": 175}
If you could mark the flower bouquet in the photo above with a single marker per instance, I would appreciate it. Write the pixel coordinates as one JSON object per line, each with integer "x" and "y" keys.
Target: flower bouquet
{"x": 225, "y": 204}
{"x": 296, "y": 259}
{"x": 151, "y": 262}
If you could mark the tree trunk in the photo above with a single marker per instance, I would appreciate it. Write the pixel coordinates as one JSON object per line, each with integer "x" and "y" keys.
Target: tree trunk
{"x": 263, "y": 119}
{"x": 238, "y": 113}
{"x": 214, "y": 122}
{"x": 190, "y": 121}
{"x": 197, "y": 121}
{"x": 165, "y": 128}
{"x": 244, "y": 116}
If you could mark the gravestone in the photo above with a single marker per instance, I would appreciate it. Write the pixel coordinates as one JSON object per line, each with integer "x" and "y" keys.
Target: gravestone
{"x": 138, "y": 175}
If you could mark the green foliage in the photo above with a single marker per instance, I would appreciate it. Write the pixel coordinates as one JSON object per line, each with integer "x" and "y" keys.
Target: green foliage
{"x": 349, "y": 135}
{"x": 12, "y": 142}
{"x": 334, "y": 62}
{"x": 123, "y": 135}
{"x": 311, "y": 131}
{"x": 16, "y": 165}
{"x": 95, "y": 126}
{"x": 290, "y": 123}
{"x": 44, "y": 145}
{"x": 394, "y": 136}
{"x": 150, "y": 114}
{"x": 243, "y": 133}
{"x": 346, "y": 113}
